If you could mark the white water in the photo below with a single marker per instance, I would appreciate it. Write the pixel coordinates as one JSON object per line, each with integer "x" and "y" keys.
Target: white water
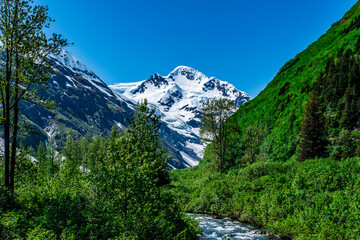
{"x": 221, "y": 228}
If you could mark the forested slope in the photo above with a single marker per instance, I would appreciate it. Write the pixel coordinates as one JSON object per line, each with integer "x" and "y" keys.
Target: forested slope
{"x": 275, "y": 115}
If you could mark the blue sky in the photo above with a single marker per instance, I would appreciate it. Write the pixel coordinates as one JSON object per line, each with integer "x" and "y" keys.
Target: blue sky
{"x": 244, "y": 42}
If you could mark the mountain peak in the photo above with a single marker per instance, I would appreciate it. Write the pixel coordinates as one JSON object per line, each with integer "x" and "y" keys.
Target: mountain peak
{"x": 183, "y": 67}
{"x": 65, "y": 58}
{"x": 178, "y": 97}
{"x": 188, "y": 72}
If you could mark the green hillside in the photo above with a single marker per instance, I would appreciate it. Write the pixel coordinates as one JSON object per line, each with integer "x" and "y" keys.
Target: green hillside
{"x": 270, "y": 180}
{"x": 277, "y": 111}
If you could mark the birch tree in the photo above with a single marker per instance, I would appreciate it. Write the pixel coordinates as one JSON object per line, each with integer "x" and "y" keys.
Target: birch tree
{"x": 215, "y": 113}
{"x": 25, "y": 67}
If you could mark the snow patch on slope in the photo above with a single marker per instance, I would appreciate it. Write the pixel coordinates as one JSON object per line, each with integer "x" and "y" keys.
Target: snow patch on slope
{"x": 178, "y": 98}
{"x": 65, "y": 58}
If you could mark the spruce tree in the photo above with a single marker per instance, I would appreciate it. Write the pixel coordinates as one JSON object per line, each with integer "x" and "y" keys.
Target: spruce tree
{"x": 41, "y": 157}
{"x": 72, "y": 150}
{"x": 313, "y": 140}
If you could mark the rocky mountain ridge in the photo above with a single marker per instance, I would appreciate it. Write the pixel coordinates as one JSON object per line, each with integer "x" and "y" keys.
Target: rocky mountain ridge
{"x": 86, "y": 105}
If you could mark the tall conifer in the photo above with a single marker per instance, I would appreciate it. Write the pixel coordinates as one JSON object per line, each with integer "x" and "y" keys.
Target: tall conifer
{"x": 313, "y": 140}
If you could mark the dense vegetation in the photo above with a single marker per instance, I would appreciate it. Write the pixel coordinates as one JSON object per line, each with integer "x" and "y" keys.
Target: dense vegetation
{"x": 292, "y": 163}
{"x": 101, "y": 188}
{"x": 314, "y": 199}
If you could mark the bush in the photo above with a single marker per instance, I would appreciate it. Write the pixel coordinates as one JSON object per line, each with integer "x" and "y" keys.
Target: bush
{"x": 315, "y": 199}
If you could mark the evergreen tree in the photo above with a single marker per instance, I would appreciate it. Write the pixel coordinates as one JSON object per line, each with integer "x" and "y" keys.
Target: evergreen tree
{"x": 134, "y": 172}
{"x": 115, "y": 132}
{"x": 53, "y": 158}
{"x": 42, "y": 158}
{"x": 142, "y": 138}
{"x": 72, "y": 150}
{"x": 313, "y": 140}
{"x": 84, "y": 152}
{"x": 98, "y": 149}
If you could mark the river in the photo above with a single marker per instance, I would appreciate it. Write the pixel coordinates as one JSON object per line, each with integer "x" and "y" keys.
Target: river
{"x": 220, "y": 228}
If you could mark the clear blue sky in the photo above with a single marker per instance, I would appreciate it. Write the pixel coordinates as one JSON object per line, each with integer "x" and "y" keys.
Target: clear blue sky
{"x": 244, "y": 42}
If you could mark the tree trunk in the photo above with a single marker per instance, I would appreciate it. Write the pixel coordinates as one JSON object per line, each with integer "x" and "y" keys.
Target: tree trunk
{"x": 15, "y": 129}
{"x": 14, "y": 147}
{"x": 52, "y": 156}
{"x": 7, "y": 143}
{"x": 7, "y": 120}
{"x": 14, "y": 35}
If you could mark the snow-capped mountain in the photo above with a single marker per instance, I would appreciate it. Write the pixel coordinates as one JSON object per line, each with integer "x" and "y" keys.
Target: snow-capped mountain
{"x": 84, "y": 104}
{"x": 178, "y": 97}
{"x": 77, "y": 69}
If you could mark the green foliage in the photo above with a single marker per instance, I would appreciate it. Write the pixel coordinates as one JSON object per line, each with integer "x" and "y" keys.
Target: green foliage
{"x": 302, "y": 200}
{"x": 331, "y": 118}
{"x": 132, "y": 179}
{"x": 105, "y": 188}
{"x": 215, "y": 113}
{"x": 252, "y": 140}
{"x": 313, "y": 135}
{"x": 71, "y": 150}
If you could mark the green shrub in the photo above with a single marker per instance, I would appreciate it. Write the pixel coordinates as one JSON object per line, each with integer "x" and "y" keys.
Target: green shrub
{"x": 315, "y": 199}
